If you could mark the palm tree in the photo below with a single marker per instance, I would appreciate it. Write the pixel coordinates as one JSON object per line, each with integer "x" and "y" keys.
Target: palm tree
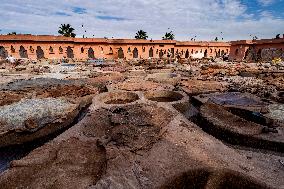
{"x": 141, "y": 35}
{"x": 255, "y": 38}
{"x": 169, "y": 36}
{"x": 12, "y": 33}
{"x": 216, "y": 39}
{"x": 66, "y": 30}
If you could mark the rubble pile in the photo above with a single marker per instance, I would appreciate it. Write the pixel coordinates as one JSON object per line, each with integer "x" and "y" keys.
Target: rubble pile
{"x": 251, "y": 85}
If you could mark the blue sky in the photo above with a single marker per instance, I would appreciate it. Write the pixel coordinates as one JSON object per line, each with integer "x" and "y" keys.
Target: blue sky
{"x": 273, "y": 7}
{"x": 206, "y": 19}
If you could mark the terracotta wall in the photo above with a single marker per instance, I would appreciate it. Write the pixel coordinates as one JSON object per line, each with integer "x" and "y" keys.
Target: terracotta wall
{"x": 57, "y": 47}
{"x": 238, "y": 49}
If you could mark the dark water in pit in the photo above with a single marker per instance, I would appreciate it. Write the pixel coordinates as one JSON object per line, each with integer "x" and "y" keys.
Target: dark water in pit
{"x": 15, "y": 152}
{"x": 281, "y": 94}
{"x": 235, "y": 99}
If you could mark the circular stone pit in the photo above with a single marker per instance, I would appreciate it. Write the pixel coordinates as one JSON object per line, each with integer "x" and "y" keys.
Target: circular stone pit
{"x": 118, "y": 97}
{"x": 213, "y": 178}
{"x": 163, "y": 96}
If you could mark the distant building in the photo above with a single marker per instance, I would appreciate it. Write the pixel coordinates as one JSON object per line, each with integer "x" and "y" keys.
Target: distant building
{"x": 58, "y": 47}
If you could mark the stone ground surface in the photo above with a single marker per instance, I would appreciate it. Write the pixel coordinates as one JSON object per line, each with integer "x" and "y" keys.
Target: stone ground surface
{"x": 131, "y": 140}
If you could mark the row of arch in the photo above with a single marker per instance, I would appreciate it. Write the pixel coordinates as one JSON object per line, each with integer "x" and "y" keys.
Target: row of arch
{"x": 91, "y": 54}
{"x": 134, "y": 52}
{"x": 40, "y": 53}
{"x": 161, "y": 52}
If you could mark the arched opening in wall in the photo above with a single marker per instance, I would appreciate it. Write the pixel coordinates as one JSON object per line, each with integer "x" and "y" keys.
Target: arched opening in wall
{"x": 39, "y": 53}
{"x": 82, "y": 49}
{"x": 60, "y": 50}
{"x": 187, "y": 54}
{"x": 205, "y": 53}
{"x": 191, "y": 51}
{"x": 110, "y": 51}
{"x": 23, "y": 52}
{"x": 135, "y": 53}
{"x": 151, "y": 53}
{"x": 70, "y": 53}
{"x": 12, "y": 49}
{"x": 247, "y": 53}
{"x": 91, "y": 53}
{"x": 211, "y": 50}
{"x": 237, "y": 52}
{"x": 222, "y": 52}
{"x": 129, "y": 50}
{"x": 173, "y": 52}
{"x": 3, "y": 52}
{"x": 161, "y": 53}
{"x": 258, "y": 55}
{"x": 218, "y": 53}
{"x": 51, "y": 50}
{"x": 120, "y": 53}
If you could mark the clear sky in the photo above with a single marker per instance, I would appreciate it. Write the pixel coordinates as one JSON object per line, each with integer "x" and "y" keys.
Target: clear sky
{"x": 205, "y": 19}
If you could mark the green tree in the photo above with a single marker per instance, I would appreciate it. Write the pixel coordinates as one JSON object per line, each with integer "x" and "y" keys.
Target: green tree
{"x": 66, "y": 30}
{"x": 12, "y": 33}
{"x": 277, "y": 36}
{"x": 141, "y": 35}
{"x": 169, "y": 36}
{"x": 216, "y": 39}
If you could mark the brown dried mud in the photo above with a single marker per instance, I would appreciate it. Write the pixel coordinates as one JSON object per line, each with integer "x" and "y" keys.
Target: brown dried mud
{"x": 68, "y": 164}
